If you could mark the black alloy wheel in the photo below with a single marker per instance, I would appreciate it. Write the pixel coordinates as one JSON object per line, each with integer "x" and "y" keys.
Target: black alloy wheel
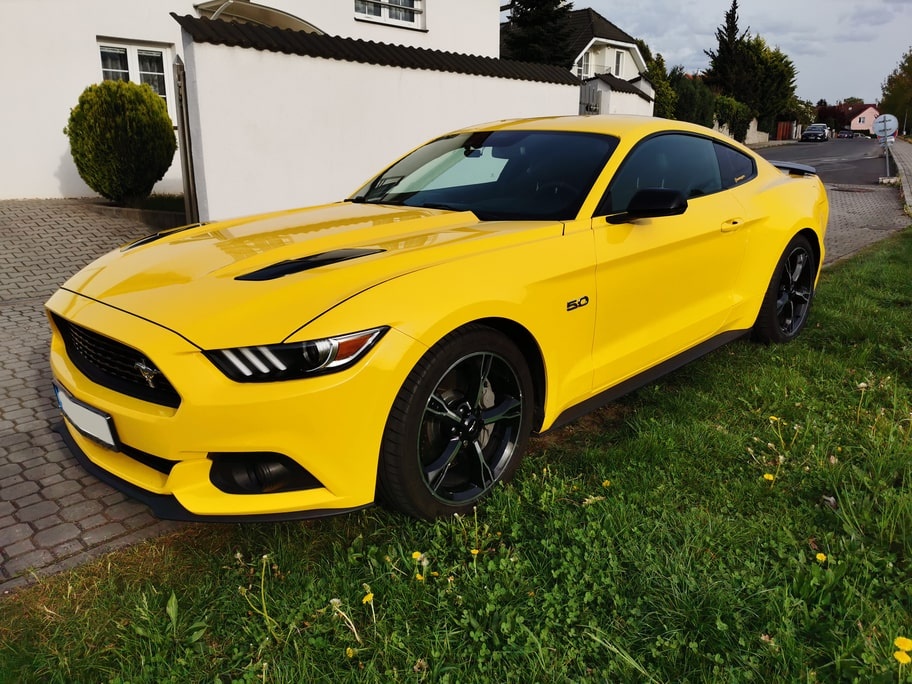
{"x": 787, "y": 302}
{"x": 458, "y": 426}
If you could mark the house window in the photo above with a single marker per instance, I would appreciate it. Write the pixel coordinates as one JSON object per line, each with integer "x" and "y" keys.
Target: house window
{"x": 618, "y": 62}
{"x": 407, "y": 13}
{"x": 582, "y": 66}
{"x": 861, "y": 119}
{"x": 137, "y": 63}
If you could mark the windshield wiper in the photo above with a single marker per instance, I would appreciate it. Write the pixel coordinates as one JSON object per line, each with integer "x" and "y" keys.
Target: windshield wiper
{"x": 439, "y": 205}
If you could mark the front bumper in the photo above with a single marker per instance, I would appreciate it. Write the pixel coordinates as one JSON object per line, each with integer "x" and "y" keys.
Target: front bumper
{"x": 330, "y": 426}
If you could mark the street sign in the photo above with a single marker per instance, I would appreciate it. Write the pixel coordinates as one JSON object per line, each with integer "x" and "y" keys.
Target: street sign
{"x": 885, "y": 125}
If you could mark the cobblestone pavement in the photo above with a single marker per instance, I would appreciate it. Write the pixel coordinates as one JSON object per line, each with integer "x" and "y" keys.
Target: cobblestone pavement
{"x": 55, "y": 516}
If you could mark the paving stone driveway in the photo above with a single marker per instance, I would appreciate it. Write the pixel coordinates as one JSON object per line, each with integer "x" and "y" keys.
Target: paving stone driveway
{"x": 53, "y": 515}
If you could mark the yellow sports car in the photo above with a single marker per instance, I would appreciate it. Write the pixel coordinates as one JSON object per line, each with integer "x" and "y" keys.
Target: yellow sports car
{"x": 403, "y": 344}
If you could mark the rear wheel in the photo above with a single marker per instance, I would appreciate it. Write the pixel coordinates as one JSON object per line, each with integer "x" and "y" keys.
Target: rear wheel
{"x": 787, "y": 302}
{"x": 458, "y": 426}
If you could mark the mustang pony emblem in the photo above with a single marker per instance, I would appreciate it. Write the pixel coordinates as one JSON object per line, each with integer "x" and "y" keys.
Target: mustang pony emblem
{"x": 148, "y": 372}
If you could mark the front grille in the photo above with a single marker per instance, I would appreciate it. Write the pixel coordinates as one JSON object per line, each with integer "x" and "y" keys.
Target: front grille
{"x": 115, "y": 365}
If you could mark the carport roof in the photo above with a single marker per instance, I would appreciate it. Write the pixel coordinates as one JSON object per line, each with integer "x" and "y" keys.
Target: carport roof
{"x": 259, "y": 37}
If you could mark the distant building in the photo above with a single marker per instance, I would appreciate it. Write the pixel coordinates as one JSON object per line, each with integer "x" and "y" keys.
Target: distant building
{"x": 861, "y": 117}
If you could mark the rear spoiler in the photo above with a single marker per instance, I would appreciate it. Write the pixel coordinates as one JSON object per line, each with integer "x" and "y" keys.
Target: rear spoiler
{"x": 793, "y": 169}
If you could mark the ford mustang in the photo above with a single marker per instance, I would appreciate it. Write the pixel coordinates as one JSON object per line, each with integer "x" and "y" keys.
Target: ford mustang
{"x": 402, "y": 345}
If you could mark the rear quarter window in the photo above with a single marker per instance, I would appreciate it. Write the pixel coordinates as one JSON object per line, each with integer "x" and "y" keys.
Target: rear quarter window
{"x": 736, "y": 167}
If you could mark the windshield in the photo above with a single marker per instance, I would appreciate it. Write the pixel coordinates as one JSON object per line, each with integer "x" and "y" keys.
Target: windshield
{"x": 520, "y": 175}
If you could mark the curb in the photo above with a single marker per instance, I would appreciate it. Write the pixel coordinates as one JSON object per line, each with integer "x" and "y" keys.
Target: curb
{"x": 153, "y": 218}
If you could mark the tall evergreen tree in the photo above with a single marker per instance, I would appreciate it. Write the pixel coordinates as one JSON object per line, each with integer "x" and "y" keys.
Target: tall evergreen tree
{"x": 727, "y": 64}
{"x": 745, "y": 68}
{"x": 539, "y": 31}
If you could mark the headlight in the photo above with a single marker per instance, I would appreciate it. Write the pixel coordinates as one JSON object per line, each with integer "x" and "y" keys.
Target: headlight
{"x": 294, "y": 360}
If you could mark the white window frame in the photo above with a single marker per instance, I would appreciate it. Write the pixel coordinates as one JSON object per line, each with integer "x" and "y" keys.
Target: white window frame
{"x": 618, "y": 63}
{"x": 382, "y": 11}
{"x": 582, "y": 66}
{"x": 133, "y": 49}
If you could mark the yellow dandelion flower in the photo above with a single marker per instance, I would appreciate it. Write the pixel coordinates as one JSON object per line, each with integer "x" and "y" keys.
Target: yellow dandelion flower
{"x": 903, "y": 644}
{"x": 419, "y": 577}
{"x": 475, "y": 552}
{"x": 606, "y": 483}
{"x": 769, "y": 477}
{"x": 350, "y": 652}
{"x": 368, "y": 597}
{"x": 774, "y": 419}
{"x": 416, "y": 555}
{"x": 821, "y": 557}
{"x": 902, "y": 657}
{"x": 435, "y": 574}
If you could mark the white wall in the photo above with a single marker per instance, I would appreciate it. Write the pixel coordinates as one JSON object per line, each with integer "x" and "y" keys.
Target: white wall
{"x": 471, "y": 27}
{"x": 49, "y": 54}
{"x": 316, "y": 129}
{"x": 614, "y": 102}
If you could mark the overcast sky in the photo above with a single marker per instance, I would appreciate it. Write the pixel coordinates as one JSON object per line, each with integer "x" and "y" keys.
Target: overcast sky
{"x": 840, "y": 48}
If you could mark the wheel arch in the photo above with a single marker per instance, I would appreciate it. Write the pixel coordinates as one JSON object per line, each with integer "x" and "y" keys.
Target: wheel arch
{"x": 528, "y": 346}
{"x": 812, "y": 237}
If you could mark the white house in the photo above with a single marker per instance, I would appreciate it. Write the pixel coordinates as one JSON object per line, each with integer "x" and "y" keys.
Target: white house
{"x": 609, "y": 63}
{"x": 61, "y": 46}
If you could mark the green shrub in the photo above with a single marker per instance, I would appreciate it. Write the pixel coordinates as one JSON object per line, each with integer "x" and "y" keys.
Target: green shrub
{"x": 122, "y": 140}
{"x": 736, "y": 115}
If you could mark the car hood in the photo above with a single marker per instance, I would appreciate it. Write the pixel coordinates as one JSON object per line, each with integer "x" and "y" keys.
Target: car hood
{"x": 258, "y": 280}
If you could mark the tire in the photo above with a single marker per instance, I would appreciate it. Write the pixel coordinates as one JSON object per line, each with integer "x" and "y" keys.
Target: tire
{"x": 787, "y": 302}
{"x": 458, "y": 426}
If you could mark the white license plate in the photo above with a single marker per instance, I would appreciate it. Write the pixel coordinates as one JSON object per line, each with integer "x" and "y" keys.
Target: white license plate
{"x": 89, "y": 421}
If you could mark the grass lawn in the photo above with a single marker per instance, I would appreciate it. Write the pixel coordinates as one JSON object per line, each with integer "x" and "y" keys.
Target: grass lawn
{"x": 748, "y": 518}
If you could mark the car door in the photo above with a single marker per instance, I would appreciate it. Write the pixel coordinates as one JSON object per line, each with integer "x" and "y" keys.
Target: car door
{"x": 664, "y": 284}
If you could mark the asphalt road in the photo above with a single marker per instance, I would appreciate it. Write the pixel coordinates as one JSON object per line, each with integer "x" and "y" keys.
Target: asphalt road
{"x": 855, "y": 161}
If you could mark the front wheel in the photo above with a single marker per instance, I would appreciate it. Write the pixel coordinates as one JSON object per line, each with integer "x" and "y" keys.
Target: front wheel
{"x": 787, "y": 303}
{"x": 458, "y": 426}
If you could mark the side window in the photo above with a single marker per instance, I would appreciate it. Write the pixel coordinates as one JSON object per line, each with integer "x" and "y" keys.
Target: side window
{"x": 736, "y": 166}
{"x": 686, "y": 163}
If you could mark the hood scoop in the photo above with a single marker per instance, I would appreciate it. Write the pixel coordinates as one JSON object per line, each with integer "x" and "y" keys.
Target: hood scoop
{"x": 290, "y": 266}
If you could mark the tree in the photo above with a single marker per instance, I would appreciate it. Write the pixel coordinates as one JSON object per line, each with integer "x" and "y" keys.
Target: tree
{"x": 772, "y": 85}
{"x": 121, "y": 139}
{"x": 695, "y": 102}
{"x": 666, "y": 98}
{"x": 745, "y": 68}
{"x": 727, "y": 64}
{"x": 897, "y": 91}
{"x": 539, "y": 31}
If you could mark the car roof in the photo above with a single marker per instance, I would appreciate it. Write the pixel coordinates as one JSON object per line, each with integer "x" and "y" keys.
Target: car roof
{"x": 613, "y": 124}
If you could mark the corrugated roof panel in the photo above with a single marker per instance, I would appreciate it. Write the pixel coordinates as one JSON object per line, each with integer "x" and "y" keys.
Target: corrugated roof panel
{"x": 258, "y": 37}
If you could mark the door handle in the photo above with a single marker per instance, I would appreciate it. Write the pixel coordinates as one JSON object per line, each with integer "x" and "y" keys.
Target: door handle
{"x": 732, "y": 225}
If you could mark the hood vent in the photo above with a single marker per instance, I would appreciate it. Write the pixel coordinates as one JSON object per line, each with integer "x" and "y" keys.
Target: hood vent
{"x": 290, "y": 266}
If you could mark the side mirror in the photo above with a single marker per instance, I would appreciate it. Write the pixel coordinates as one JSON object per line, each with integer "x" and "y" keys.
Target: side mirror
{"x": 652, "y": 203}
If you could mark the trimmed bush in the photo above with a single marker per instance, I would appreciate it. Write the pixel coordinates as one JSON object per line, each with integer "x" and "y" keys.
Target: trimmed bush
{"x": 122, "y": 140}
